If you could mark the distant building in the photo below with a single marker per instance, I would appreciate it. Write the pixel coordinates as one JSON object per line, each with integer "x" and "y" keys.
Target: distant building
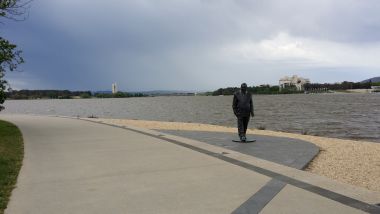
{"x": 114, "y": 88}
{"x": 375, "y": 89}
{"x": 293, "y": 81}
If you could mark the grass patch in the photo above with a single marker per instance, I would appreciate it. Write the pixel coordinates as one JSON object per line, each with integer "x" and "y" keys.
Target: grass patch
{"x": 11, "y": 155}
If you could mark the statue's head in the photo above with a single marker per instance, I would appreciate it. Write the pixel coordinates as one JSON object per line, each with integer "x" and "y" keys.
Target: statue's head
{"x": 243, "y": 87}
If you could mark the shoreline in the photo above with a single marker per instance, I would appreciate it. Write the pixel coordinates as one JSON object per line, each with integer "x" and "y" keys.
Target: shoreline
{"x": 348, "y": 161}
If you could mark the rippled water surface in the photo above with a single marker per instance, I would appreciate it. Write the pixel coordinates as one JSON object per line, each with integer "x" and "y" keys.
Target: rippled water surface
{"x": 351, "y": 116}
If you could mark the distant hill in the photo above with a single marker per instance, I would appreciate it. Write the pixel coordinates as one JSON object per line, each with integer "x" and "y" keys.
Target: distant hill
{"x": 102, "y": 92}
{"x": 165, "y": 92}
{"x": 375, "y": 79}
{"x": 154, "y": 93}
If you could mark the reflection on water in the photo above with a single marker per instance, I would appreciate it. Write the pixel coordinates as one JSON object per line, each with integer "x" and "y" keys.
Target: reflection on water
{"x": 352, "y": 116}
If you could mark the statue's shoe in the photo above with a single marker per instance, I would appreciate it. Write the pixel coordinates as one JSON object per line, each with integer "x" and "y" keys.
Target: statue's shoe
{"x": 246, "y": 141}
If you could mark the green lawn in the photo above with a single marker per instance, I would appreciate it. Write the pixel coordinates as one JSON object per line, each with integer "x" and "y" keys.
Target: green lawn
{"x": 11, "y": 154}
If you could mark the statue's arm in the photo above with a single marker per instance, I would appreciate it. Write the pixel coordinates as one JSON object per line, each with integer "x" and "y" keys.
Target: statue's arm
{"x": 252, "y": 108}
{"x": 234, "y": 104}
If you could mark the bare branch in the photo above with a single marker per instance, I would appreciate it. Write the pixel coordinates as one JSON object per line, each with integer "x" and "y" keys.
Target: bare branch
{"x": 17, "y": 10}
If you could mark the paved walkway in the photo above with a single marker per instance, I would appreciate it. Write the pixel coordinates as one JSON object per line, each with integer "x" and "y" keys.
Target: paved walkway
{"x": 76, "y": 166}
{"x": 286, "y": 151}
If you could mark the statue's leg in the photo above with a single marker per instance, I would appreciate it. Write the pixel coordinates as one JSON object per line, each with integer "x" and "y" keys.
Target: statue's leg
{"x": 240, "y": 121}
{"x": 246, "y": 121}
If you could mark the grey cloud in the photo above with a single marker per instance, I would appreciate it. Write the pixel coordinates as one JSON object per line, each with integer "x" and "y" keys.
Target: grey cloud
{"x": 147, "y": 45}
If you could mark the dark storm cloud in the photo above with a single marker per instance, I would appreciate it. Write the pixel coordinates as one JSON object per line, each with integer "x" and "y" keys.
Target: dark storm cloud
{"x": 193, "y": 45}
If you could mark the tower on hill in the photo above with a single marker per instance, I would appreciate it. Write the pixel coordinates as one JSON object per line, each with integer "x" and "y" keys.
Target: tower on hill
{"x": 114, "y": 88}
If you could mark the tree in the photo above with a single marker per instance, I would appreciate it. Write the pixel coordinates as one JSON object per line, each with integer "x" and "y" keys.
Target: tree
{"x": 10, "y": 56}
{"x": 14, "y": 9}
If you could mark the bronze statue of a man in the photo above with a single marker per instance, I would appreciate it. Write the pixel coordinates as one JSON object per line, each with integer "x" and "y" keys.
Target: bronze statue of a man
{"x": 243, "y": 107}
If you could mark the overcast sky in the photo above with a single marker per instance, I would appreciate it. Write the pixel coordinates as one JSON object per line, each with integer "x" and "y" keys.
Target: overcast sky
{"x": 193, "y": 44}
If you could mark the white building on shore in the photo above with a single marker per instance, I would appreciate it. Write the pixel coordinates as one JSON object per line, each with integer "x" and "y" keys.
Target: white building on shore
{"x": 293, "y": 81}
{"x": 114, "y": 88}
{"x": 375, "y": 89}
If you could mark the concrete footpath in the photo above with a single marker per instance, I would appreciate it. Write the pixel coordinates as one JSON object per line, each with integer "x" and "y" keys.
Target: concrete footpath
{"x": 77, "y": 166}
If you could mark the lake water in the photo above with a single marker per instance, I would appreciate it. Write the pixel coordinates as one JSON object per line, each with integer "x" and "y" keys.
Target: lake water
{"x": 349, "y": 116}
